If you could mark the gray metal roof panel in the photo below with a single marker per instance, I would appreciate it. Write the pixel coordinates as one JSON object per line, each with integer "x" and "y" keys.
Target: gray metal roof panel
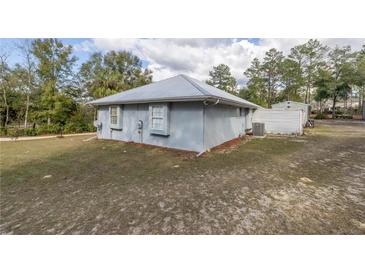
{"x": 178, "y": 88}
{"x": 215, "y": 92}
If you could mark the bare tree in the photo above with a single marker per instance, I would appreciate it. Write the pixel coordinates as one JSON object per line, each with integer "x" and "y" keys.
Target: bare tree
{"x": 4, "y": 84}
{"x": 26, "y": 51}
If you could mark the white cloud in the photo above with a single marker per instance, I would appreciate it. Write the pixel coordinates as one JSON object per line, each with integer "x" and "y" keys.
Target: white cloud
{"x": 285, "y": 44}
{"x": 195, "y": 57}
{"x": 355, "y": 43}
{"x": 85, "y": 46}
{"x": 282, "y": 44}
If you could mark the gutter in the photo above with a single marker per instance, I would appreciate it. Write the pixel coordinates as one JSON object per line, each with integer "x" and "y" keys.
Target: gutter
{"x": 214, "y": 99}
{"x": 155, "y": 100}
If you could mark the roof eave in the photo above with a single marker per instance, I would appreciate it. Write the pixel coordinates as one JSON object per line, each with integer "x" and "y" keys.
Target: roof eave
{"x": 154, "y": 100}
{"x": 177, "y": 99}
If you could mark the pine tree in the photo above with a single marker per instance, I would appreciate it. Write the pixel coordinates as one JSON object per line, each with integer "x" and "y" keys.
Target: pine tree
{"x": 221, "y": 77}
{"x": 55, "y": 73}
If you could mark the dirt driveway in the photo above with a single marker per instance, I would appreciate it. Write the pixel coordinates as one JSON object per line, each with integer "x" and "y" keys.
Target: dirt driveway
{"x": 314, "y": 184}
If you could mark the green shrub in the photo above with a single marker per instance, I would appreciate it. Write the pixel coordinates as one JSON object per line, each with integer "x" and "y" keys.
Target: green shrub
{"x": 78, "y": 126}
{"x": 41, "y": 130}
{"x": 48, "y": 129}
{"x": 75, "y": 126}
{"x": 3, "y": 131}
{"x": 340, "y": 111}
{"x": 320, "y": 116}
{"x": 81, "y": 121}
{"x": 14, "y": 132}
{"x": 71, "y": 128}
{"x": 17, "y": 132}
{"x": 30, "y": 132}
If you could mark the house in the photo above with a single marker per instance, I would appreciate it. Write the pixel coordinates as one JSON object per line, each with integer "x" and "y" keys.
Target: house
{"x": 178, "y": 112}
{"x": 291, "y": 105}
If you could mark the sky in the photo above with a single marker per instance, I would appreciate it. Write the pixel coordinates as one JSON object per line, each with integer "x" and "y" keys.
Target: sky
{"x": 192, "y": 56}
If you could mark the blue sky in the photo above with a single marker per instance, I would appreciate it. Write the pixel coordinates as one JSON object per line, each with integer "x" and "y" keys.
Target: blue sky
{"x": 14, "y": 57}
{"x": 192, "y": 56}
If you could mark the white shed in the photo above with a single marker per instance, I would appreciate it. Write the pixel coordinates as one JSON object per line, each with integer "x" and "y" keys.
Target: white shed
{"x": 291, "y": 105}
{"x": 279, "y": 121}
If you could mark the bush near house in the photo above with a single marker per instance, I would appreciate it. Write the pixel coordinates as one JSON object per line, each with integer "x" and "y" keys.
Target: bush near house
{"x": 320, "y": 116}
{"x": 71, "y": 127}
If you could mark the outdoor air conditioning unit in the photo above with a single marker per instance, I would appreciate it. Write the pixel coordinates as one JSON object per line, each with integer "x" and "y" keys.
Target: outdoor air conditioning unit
{"x": 258, "y": 129}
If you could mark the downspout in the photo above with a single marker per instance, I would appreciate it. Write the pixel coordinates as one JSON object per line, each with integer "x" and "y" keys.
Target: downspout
{"x": 200, "y": 153}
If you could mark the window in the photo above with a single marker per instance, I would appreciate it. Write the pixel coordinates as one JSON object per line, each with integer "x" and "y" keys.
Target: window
{"x": 159, "y": 119}
{"x": 115, "y": 113}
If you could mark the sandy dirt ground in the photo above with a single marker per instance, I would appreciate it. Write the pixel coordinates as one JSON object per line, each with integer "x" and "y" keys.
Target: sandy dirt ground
{"x": 312, "y": 184}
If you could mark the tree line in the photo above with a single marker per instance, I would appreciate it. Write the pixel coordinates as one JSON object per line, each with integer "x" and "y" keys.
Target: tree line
{"x": 310, "y": 72}
{"x": 46, "y": 91}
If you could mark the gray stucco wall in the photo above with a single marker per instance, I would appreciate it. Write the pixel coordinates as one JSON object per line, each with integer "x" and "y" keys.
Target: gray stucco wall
{"x": 186, "y": 126}
{"x": 193, "y": 126}
{"x": 222, "y": 123}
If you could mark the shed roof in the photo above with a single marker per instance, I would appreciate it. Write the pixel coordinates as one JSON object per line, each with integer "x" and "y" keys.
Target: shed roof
{"x": 174, "y": 89}
{"x": 290, "y": 102}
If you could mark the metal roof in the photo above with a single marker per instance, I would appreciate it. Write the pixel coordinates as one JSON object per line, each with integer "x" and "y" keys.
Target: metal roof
{"x": 289, "y": 102}
{"x": 175, "y": 89}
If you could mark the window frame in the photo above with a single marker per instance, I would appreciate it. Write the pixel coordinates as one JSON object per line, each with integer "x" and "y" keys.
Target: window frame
{"x": 163, "y": 116}
{"x": 118, "y": 115}
{"x": 159, "y": 116}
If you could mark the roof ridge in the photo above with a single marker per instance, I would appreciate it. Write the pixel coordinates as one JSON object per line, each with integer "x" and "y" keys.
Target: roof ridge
{"x": 197, "y": 86}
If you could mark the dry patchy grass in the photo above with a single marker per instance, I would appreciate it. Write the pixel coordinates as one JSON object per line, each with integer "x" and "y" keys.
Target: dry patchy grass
{"x": 312, "y": 184}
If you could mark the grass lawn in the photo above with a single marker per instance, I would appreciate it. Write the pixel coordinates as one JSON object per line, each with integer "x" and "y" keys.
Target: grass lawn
{"x": 312, "y": 184}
